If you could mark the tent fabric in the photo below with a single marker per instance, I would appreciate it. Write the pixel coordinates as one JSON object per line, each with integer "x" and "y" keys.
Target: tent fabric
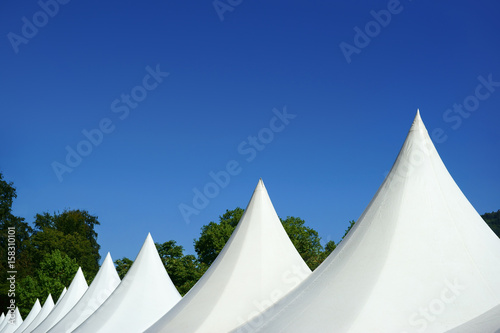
{"x": 12, "y": 325}
{"x": 75, "y": 291}
{"x": 35, "y": 310}
{"x": 420, "y": 258}
{"x": 144, "y": 295}
{"x": 2, "y": 318}
{"x": 5, "y": 321}
{"x": 104, "y": 283}
{"x": 44, "y": 312}
{"x": 63, "y": 292}
{"x": 257, "y": 266}
{"x": 488, "y": 322}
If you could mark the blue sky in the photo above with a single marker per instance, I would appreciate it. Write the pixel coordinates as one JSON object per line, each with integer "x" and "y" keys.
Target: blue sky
{"x": 293, "y": 92}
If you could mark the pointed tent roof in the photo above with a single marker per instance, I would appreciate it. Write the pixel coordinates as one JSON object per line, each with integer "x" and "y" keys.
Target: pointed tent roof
{"x": 12, "y": 326}
{"x": 145, "y": 294}
{"x": 5, "y": 321}
{"x": 75, "y": 291}
{"x": 419, "y": 257}
{"x": 258, "y": 265}
{"x": 44, "y": 312}
{"x": 2, "y": 318}
{"x": 63, "y": 292}
{"x": 31, "y": 316}
{"x": 104, "y": 283}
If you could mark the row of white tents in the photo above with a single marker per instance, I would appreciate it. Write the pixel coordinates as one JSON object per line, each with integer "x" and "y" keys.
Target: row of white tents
{"x": 419, "y": 259}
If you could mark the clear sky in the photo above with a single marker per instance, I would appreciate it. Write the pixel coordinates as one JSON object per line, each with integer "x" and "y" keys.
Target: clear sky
{"x": 128, "y": 108}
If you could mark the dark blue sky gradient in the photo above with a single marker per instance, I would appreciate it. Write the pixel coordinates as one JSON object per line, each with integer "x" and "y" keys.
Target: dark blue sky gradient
{"x": 225, "y": 78}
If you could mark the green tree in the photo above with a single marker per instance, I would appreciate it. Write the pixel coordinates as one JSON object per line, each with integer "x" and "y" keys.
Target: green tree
{"x": 214, "y": 236}
{"x": 72, "y": 232}
{"x": 55, "y": 272}
{"x": 122, "y": 266}
{"x": 22, "y": 233}
{"x": 328, "y": 249}
{"x": 351, "y": 224}
{"x": 493, "y": 220}
{"x": 305, "y": 239}
{"x": 184, "y": 270}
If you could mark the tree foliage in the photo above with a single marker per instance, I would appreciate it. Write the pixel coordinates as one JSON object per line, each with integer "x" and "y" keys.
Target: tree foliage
{"x": 351, "y": 224}
{"x": 214, "y": 236}
{"x": 72, "y": 232}
{"x": 493, "y": 220}
{"x": 184, "y": 270}
{"x": 122, "y": 266}
{"x": 56, "y": 271}
{"x": 305, "y": 239}
{"x": 22, "y": 237}
{"x": 47, "y": 253}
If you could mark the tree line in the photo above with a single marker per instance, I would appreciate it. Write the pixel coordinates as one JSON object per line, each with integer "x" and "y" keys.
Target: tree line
{"x": 49, "y": 251}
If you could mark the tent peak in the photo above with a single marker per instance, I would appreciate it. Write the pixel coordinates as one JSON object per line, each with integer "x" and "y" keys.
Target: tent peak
{"x": 417, "y": 116}
{"x": 417, "y": 122}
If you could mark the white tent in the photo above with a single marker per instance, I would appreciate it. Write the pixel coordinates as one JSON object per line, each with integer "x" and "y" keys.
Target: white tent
{"x": 2, "y": 318}
{"x": 143, "y": 296}
{"x": 31, "y": 316}
{"x": 75, "y": 291}
{"x": 5, "y": 320}
{"x": 488, "y": 322}
{"x": 104, "y": 283}
{"x": 63, "y": 292}
{"x": 44, "y": 312}
{"x": 12, "y": 324}
{"x": 257, "y": 266}
{"x": 420, "y": 258}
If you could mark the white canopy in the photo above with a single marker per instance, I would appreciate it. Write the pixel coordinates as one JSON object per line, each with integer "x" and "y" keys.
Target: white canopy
{"x": 104, "y": 283}
{"x": 44, "y": 312}
{"x": 63, "y": 292}
{"x": 75, "y": 291}
{"x": 257, "y": 266}
{"x": 4, "y": 321}
{"x": 420, "y": 258}
{"x": 31, "y": 316}
{"x": 144, "y": 295}
{"x": 12, "y": 324}
{"x": 488, "y": 322}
